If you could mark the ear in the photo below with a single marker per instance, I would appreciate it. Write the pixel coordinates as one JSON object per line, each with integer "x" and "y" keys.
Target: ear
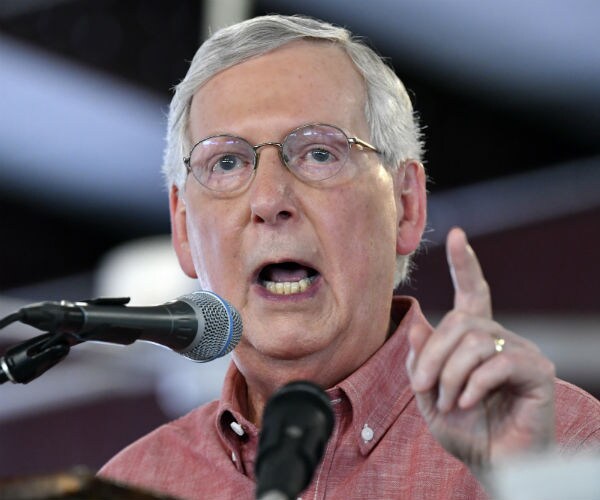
{"x": 179, "y": 235}
{"x": 411, "y": 199}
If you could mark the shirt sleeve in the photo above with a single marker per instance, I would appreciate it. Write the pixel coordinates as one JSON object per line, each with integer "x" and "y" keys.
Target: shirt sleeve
{"x": 577, "y": 419}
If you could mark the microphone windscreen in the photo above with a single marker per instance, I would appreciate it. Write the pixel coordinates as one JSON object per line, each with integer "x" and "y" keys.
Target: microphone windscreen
{"x": 221, "y": 330}
{"x": 297, "y": 423}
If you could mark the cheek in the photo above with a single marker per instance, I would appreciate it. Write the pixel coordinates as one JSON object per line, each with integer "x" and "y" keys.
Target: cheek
{"x": 213, "y": 249}
{"x": 197, "y": 242}
{"x": 365, "y": 233}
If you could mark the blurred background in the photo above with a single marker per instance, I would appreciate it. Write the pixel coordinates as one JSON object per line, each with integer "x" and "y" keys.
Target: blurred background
{"x": 508, "y": 92}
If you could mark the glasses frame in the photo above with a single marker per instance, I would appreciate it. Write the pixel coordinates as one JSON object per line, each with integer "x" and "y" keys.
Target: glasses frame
{"x": 352, "y": 141}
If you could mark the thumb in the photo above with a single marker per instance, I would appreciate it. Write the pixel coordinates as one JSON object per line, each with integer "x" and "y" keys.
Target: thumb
{"x": 417, "y": 338}
{"x": 426, "y": 400}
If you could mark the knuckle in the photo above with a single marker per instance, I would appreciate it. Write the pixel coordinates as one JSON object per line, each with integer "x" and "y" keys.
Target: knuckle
{"x": 505, "y": 363}
{"x": 499, "y": 329}
{"x": 477, "y": 381}
{"x": 471, "y": 339}
{"x": 448, "y": 377}
{"x": 533, "y": 347}
{"x": 455, "y": 318}
{"x": 548, "y": 368}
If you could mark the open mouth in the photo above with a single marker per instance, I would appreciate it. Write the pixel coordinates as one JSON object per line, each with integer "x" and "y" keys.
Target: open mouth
{"x": 287, "y": 278}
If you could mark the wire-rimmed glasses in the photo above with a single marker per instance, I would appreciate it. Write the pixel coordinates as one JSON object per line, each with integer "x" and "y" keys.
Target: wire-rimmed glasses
{"x": 313, "y": 153}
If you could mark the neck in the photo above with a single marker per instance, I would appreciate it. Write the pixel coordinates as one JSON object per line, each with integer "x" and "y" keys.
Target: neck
{"x": 264, "y": 375}
{"x": 261, "y": 384}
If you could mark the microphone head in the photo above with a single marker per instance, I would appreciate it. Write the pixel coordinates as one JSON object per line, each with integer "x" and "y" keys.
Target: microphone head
{"x": 296, "y": 425}
{"x": 219, "y": 326}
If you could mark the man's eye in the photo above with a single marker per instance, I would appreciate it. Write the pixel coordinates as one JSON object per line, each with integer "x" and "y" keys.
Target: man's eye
{"x": 227, "y": 163}
{"x": 320, "y": 155}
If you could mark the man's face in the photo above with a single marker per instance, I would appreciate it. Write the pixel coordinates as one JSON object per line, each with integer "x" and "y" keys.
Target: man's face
{"x": 333, "y": 245}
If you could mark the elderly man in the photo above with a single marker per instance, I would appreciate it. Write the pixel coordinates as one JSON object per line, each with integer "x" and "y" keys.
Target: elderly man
{"x": 297, "y": 193}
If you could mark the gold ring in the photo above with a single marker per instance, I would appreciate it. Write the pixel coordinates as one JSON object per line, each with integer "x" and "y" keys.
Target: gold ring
{"x": 499, "y": 344}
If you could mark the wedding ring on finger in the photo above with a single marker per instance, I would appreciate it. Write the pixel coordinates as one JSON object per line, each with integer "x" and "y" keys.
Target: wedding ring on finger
{"x": 499, "y": 344}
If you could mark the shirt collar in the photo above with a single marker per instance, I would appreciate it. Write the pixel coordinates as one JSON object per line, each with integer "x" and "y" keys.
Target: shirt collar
{"x": 232, "y": 408}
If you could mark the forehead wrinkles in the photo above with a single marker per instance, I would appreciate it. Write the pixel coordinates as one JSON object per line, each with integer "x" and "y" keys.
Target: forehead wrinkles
{"x": 314, "y": 80}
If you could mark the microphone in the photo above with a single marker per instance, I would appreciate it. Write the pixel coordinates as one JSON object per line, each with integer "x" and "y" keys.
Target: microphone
{"x": 297, "y": 423}
{"x": 201, "y": 326}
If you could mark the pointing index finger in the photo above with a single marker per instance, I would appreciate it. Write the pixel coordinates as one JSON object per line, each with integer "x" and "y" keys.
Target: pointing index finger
{"x": 471, "y": 291}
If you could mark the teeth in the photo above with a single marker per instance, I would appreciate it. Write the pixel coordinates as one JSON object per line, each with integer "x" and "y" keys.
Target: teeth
{"x": 288, "y": 287}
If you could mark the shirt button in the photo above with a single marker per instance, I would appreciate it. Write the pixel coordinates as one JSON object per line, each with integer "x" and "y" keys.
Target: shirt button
{"x": 367, "y": 433}
{"x": 237, "y": 428}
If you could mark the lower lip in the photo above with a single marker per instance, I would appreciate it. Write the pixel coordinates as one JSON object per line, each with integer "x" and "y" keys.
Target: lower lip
{"x": 310, "y": 292}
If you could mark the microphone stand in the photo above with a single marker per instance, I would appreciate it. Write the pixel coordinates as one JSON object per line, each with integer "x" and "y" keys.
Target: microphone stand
{"x": 30, "y": 359}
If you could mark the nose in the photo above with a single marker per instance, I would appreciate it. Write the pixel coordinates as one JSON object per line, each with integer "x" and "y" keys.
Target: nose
{"x": 272, "y": 197}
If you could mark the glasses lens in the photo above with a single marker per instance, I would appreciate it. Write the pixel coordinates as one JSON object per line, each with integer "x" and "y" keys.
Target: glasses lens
{"x": 316, "y": 152}
{"x": 222, "y": 163}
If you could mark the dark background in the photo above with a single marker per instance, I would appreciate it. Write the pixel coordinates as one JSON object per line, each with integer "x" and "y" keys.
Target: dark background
{"x": 472, "y": 135}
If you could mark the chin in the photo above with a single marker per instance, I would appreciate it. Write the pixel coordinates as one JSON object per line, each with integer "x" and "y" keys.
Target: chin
{"x": 284, "y": 346}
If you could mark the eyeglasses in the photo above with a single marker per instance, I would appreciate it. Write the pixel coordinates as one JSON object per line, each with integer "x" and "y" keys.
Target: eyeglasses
{"x": 313, "y": 153}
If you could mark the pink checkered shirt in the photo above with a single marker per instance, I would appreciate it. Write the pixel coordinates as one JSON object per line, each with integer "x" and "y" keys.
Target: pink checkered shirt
{"x": 380, "y": 448}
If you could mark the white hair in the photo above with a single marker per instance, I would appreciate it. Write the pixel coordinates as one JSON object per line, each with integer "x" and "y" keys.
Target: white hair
{"x": 393, "y": 124}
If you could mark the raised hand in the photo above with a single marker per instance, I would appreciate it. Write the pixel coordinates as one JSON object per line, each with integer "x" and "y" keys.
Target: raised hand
{"x": 485, "y": 392}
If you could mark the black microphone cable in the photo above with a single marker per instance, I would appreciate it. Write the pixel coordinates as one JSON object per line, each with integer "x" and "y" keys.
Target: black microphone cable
{"x": 11, "y": 318}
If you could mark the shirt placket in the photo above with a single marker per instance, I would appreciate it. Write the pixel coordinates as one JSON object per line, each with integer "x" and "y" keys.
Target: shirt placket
{"x": 317, "y": 489}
